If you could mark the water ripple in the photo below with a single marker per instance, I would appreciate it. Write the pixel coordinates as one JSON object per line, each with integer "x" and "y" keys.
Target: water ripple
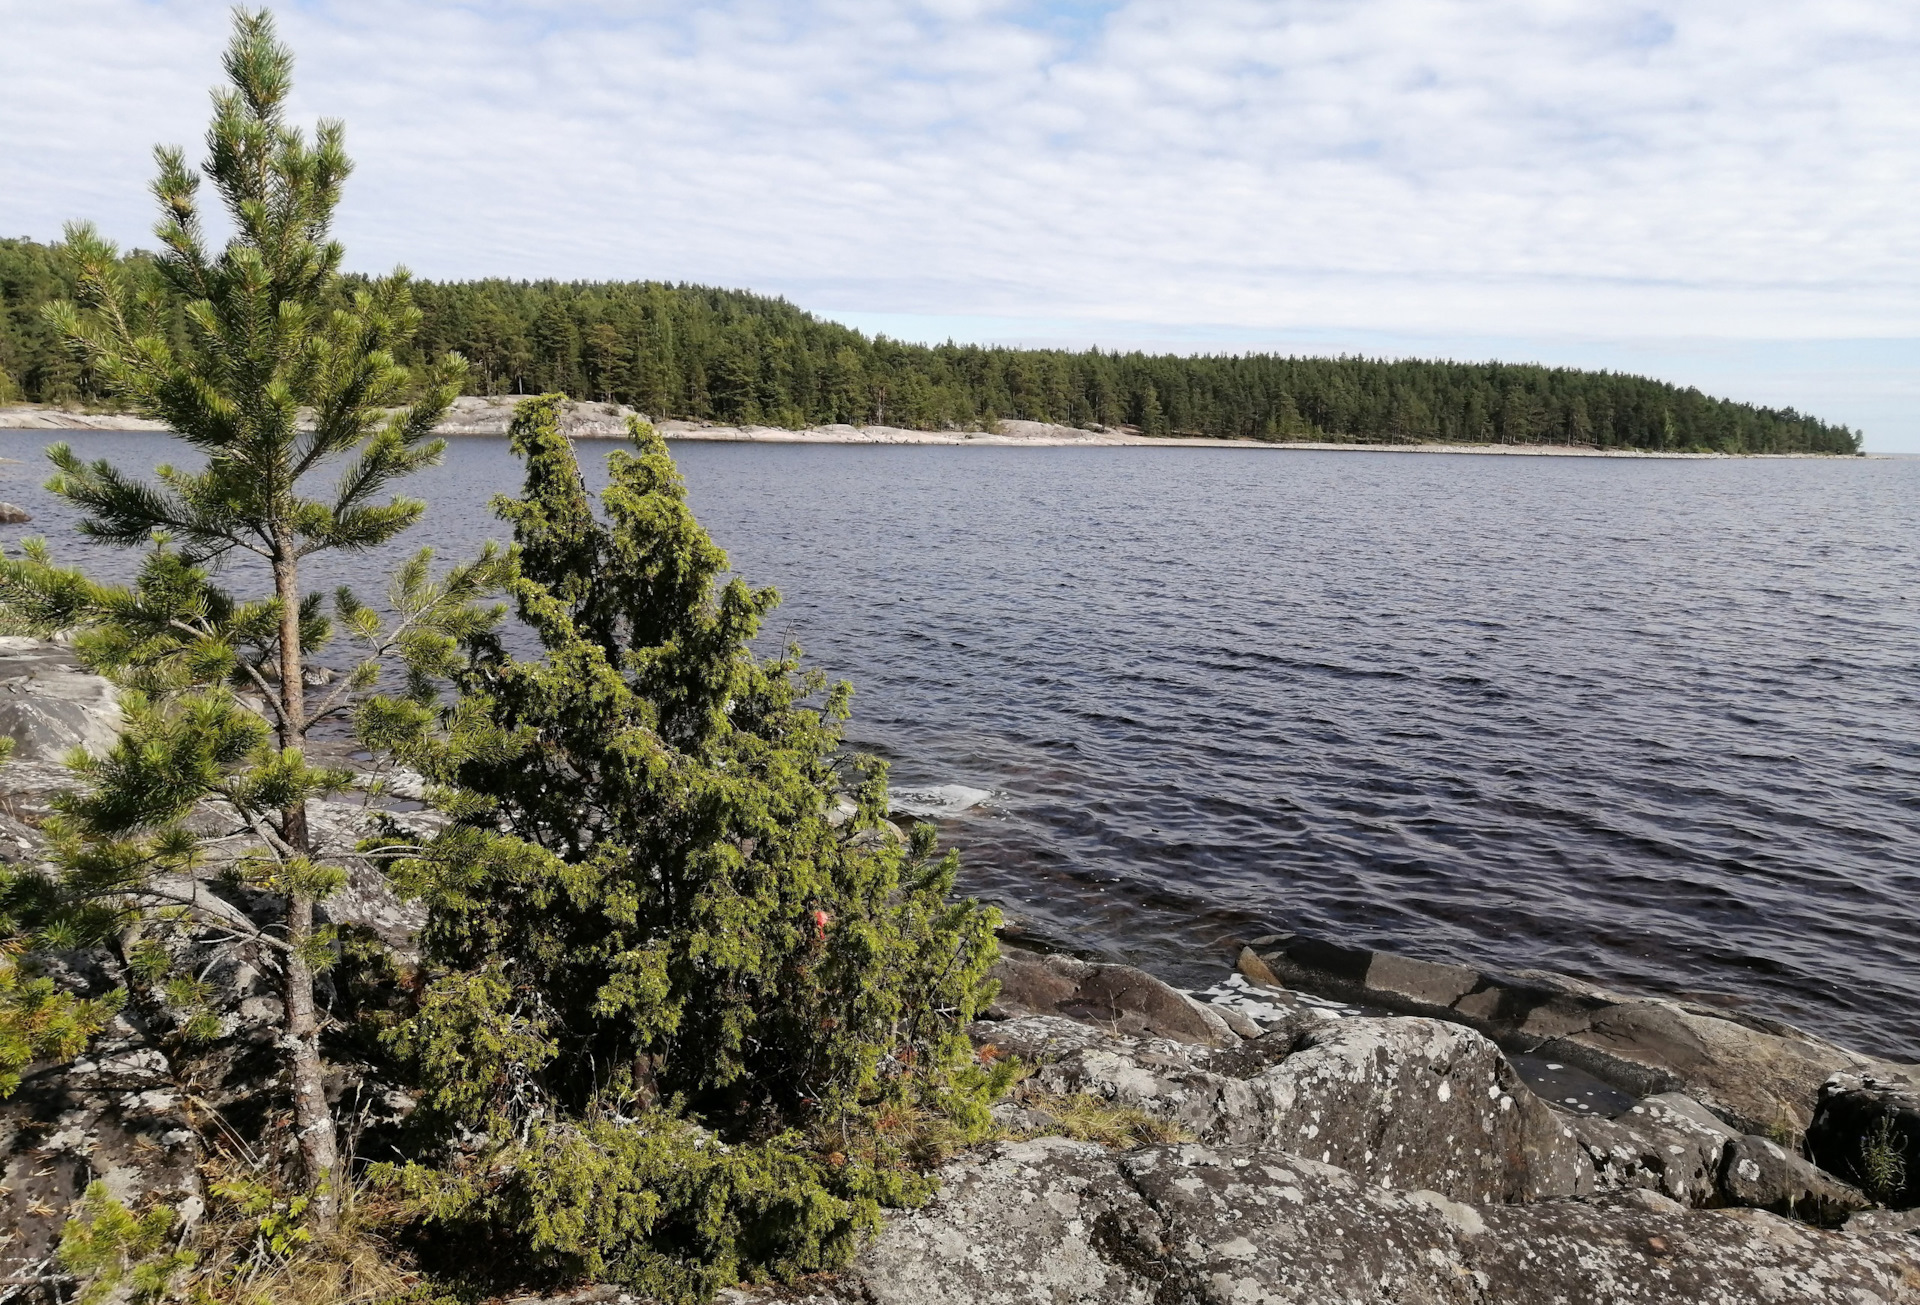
{"x": 1653, "y": 723}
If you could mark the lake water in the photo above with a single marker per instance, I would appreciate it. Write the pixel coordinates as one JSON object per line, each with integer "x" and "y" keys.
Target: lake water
{"x": 1654, "y": 723}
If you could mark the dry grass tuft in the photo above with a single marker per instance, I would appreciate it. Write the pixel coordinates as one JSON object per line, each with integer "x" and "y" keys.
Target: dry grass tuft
{"x": 253, "y": 1248}
{"x": 1087, "y": 1118}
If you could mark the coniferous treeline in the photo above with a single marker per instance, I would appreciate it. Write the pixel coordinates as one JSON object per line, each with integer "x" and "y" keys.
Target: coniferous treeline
{"x": 726, "y": 355}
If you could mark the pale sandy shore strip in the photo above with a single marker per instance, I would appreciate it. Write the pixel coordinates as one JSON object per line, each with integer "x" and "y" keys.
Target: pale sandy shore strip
{"x": 1071, "y": 438}
{"x": 477, "y": 416}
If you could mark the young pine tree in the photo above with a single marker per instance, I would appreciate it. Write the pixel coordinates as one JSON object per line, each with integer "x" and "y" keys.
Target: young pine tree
{"x": 645, "y": 931}
{"x": 281, "y": 377}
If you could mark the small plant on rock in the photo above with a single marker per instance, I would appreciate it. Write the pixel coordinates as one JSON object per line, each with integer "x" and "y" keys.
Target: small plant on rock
{"x": 116, "y": 1254}
{"x": 1883, "y": 1161}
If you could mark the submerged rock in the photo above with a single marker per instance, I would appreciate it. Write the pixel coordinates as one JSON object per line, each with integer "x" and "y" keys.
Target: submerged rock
{"x": 940, "y": 802}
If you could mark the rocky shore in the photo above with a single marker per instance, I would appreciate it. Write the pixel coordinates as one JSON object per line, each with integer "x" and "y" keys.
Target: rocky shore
{"x": 1324, "y": 1124}
{"x": 484, "y": 416}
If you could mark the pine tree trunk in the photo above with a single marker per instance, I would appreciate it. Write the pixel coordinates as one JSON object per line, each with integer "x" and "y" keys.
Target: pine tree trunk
{"x": 312, "y": 1117}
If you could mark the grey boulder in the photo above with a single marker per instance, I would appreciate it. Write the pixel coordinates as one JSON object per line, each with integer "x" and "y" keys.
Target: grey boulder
{"x": 1401, "y": 1102}
{"x": 50, "y": 704}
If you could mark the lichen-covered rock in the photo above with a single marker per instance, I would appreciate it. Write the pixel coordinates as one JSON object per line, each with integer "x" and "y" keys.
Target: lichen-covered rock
{"x": 1057, "y": 1223}
{"x": 1401, "y": 1102}
{"x": 1203, "y": 1090}
{"x": 1759, "y": 1172}
{"x": 1417, "y": 1103}
{"x": 50, "y": 704}
{"x": 1048, "y": 1220}
{"x": 116, "y": 1116}
{"x": 1668, "y": 1143}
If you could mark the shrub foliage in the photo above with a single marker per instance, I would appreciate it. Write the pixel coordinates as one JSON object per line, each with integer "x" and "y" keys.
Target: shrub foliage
{"x": 701, "y": 1028}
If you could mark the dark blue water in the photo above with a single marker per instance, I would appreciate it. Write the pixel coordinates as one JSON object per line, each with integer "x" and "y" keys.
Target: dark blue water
{"x": 1655, "y": 723}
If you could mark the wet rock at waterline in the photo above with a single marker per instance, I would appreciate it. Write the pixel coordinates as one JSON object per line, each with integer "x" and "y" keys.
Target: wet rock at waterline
{"x": 12, "y": 515}
{"x": 1761, "y": 1074}
{"x": 1117, "y": 998}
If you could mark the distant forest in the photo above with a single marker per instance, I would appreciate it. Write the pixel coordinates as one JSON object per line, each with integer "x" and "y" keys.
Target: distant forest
{"x": 729, "y": 356}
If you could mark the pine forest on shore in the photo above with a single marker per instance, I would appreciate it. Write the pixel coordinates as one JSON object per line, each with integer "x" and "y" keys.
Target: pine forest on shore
{"x": 730, "y": 356}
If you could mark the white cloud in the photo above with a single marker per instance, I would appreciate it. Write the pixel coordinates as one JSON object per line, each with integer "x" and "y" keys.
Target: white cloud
{"x": 1441, "y": 169}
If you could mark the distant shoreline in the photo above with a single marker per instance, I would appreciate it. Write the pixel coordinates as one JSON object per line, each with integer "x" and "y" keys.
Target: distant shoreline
{"x": 474, "y": 416}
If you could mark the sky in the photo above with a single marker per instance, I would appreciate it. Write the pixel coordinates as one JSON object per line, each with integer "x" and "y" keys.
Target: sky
{"x": 1721, "y": 193}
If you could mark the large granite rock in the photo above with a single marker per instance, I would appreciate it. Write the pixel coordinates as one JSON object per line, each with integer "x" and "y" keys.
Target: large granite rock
{"x": 50, "y": 704}
{"x": 1399, "y": 1102}
{"x": 1417, "y": 1103}
{"x": 1412, "y": 1104}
